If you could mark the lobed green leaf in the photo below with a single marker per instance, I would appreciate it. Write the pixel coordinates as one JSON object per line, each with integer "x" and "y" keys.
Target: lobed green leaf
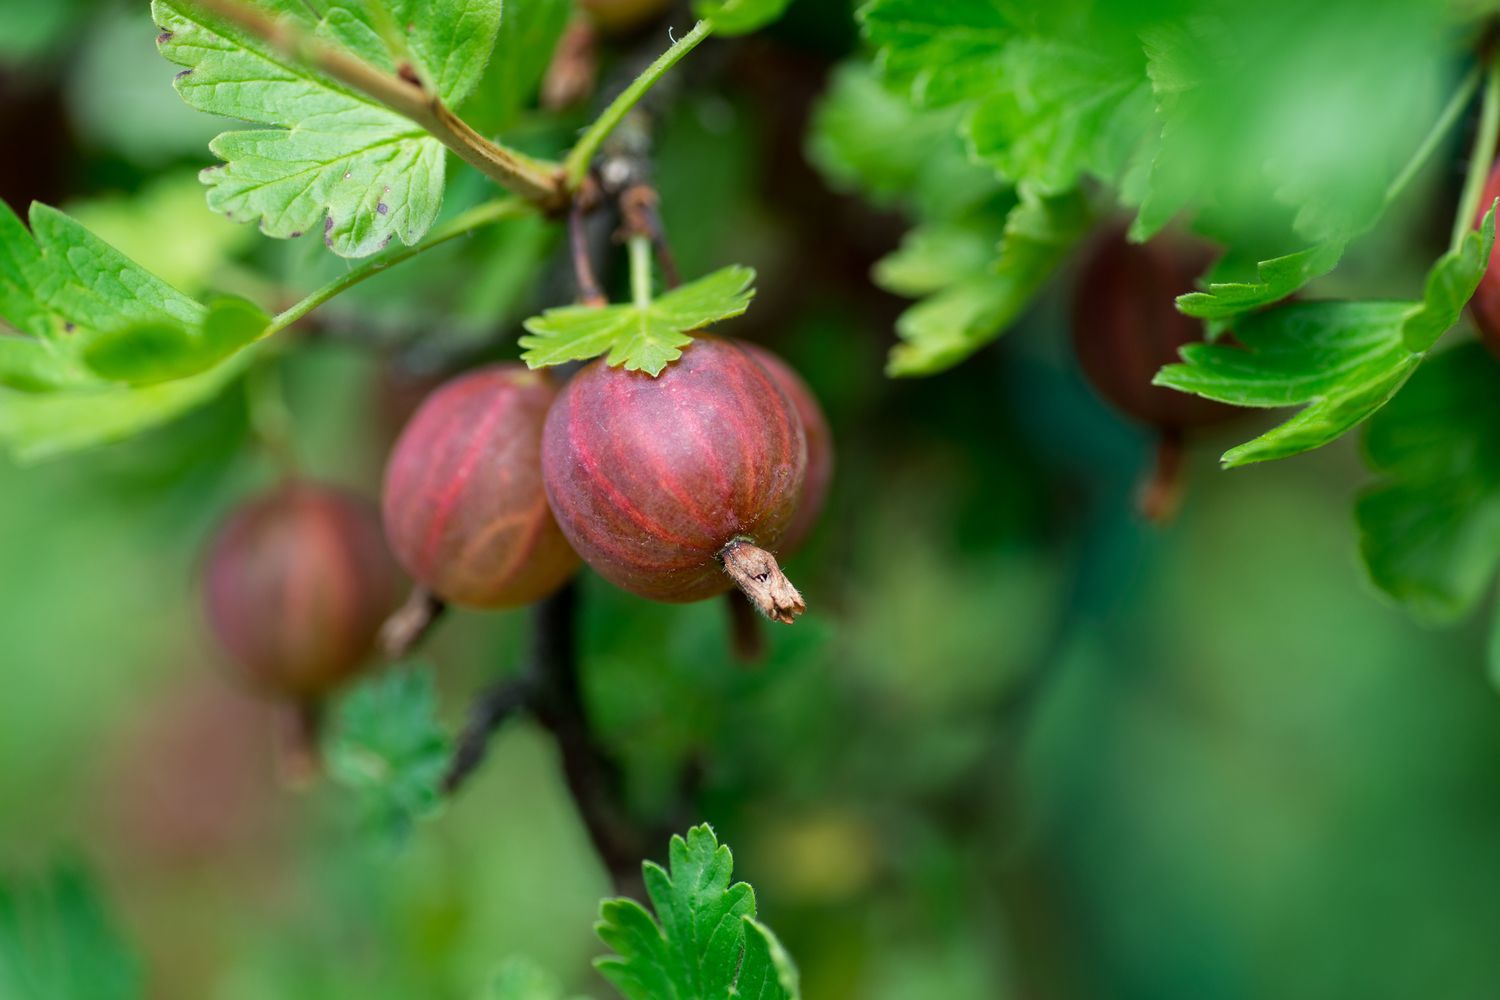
{"x": 739, "y": 17}
{"x": 641, "y": 338}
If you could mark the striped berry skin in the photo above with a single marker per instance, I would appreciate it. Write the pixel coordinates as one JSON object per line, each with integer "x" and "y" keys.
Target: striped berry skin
{"x": 298, "y": 582}
{"x": 819, "y": 475}
{"x": 1485, "y": 305}
{"x": 651, "y": 478}
{"x": 463, "y": 504}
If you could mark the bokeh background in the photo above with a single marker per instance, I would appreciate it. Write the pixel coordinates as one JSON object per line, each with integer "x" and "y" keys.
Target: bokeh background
{"x": 1022, "y": 746}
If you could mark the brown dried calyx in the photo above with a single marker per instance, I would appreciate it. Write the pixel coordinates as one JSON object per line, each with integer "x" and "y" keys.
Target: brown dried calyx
{"x": 756, "y": 572}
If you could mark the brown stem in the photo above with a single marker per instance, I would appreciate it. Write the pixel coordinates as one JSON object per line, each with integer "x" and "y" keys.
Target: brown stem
{"x": 1160, "y": 495}
{"x": 592, "y": 776}
{"x": 756, "y": 572}
{"x": 409, "y": 624}
{"x": 746, "y": 640}
{"x": 589, "y": 291}
{"x": 496, "y": 705}
{"x": 640, "y": 214}
{"x": 406, "y": 95}
{"x": 299, "y": 755}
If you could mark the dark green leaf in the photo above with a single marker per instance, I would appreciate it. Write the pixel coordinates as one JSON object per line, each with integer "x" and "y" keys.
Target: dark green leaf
{"x": 57, "y": 942}
{"x": 767, "y": 972}
{"x": 1275, "y": 279}
{"x": 1430, "y": 526}
{"x": 1450, "y": 285}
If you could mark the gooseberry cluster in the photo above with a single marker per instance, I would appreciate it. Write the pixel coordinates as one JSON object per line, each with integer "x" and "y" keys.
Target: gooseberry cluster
{"x": 675, "y": 488}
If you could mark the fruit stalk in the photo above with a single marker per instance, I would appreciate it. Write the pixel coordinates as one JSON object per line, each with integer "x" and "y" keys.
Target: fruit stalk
{"x": 759, "y": 577}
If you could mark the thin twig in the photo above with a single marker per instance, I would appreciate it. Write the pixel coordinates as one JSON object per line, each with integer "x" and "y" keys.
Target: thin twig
{"x": 592, "y": 776}
{"x": 589, "y": 292}
{"x": 409, "y": 624}
{"x": 405, "y": 94}
{"x": 496, "y": 705}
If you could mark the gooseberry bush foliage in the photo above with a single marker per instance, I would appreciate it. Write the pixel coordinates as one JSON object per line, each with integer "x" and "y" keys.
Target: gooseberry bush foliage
{"x": 1008, "y": 134}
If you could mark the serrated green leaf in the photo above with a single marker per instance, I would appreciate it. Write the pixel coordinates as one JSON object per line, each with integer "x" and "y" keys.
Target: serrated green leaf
{"x": 389, "y": 747}
{"x": 693, "y": 948}
{"x": 1430, "y": 525}
{"x": 641, "y": 338}
{"x": 868, "y": 138}
{"x": 57, "y": 942}
{"x": 332, "y": 161}
{"x": 944, "y": 52}
{"x": 1275, "y": 279}
{"x": 976, "y": 306}
{"x": 1063, "y": 111}
{"x": 1340, "y": 360}
{"x": 1450, "y": 284}
{"x": 739, "y": 17}
{"x": 767, "y": 972}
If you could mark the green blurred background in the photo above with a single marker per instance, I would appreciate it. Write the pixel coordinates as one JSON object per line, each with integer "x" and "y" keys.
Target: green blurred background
{"x": 1022, "y": 746}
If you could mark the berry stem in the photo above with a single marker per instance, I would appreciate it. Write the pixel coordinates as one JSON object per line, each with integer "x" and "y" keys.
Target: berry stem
{"x": 757, "y": 574}
{"x": 299, "y": 754}
{"x": 410, "y": 623}
{"x": 1483, "y": 156}
{"x": 640, "y": 271}
{"x": 589, "y": 292}
{"x": 576, "y": 165}
{"x": 1161, "y": 493}
{"x": 746, "y": 640}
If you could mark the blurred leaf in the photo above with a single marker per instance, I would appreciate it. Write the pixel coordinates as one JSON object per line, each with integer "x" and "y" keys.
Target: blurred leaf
{"x": 522, "y": 979}
{"x": 331, "y": 160}
{"x": 35, "y": 426}
{"x": 944, "y": 52}
{"x": 739, "y": 17}
{"x": 524, "y": 45}
{"x": 32, "y": 366}
{"x": 389, "y": 747}
{"x": 867, "y": 137}
{"x": 1430, "y": 526}
{"x": 970, "y": 306}
{"x": 700, "y": 945}
{"x": 642, "y": 338}
{"x": 29, "y": 30}
{"x": 167, "y": 229}
{"x": 154, "y": 352}
{"x": 57, "y": 943}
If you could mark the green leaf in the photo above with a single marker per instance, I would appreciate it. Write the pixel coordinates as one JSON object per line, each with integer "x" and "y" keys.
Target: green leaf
{"x": 739, "y": 17}
{"x": 519, "y": 978}
{"x": 968, "y": 307}
{"x": 332, "y": 161}
{"x": 1450, "y": 284}
{"x": 35, "y": 426}
{"x": 160, "y": 352}
{"x": 1430, "y": 525}
{"x": 703, "y": 943}
{"x": 58, "y": 943}
{"x": 1340, "y": 360}
{"x": 944, "y": 52}
{"x": 1064, "y": 110}
{"x": 1275, "y": 279}
{"x": 32, "y": 365}
{"x": 641, "y": 338}
{"x": 767, "y": 972}
{"x": 524, "y": 46}
{"x": 868, "y": 138}
{"x": 388, "y": 746}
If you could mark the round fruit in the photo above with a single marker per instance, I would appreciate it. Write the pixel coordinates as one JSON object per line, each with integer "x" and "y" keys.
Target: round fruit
{"x": 1485, "y": 305}
{"x": 1126, "y": 327}
{"x": 665, "y": 485}
{"x": 819, "y": 475}
{"x": 298, "y": 582}
{"x": 464, "y": 507}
